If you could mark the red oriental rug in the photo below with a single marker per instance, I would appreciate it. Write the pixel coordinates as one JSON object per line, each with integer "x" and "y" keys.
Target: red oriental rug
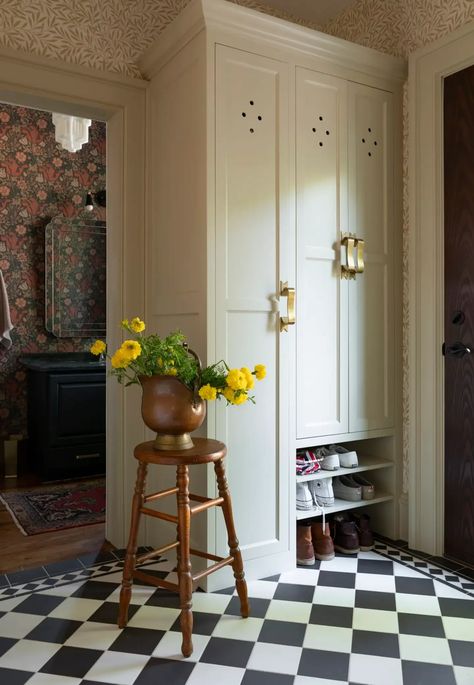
{"x": 56, "y": 507}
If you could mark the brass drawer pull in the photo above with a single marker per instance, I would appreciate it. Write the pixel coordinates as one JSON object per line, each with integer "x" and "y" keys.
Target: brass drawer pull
{"x": 290, "y": 294}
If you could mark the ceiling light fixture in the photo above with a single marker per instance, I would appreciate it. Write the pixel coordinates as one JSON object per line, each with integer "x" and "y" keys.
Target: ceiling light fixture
{"x": 71, "y": 132}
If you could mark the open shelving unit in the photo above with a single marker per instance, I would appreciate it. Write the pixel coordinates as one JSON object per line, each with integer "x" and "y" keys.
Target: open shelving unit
{"x": 342, "y": 505}
{"x": 366, "y": 463}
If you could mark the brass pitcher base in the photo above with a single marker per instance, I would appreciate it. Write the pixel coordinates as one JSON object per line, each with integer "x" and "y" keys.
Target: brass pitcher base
{"x": 173, "y": 442}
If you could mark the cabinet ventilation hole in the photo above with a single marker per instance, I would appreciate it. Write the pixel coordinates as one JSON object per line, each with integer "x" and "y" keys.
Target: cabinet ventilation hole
{"x": 363, "y": 140}
{"x": 375, "y": 143}
{"x": 320, "y": 119}
{"x": 251, "y": 102}
{"x": 244, "y": 114}
{"x": 327, "y": 133}
{"x": 320, "y": 144}
{"x": 313, "y": 130}
{"x": 370, "y": 154}
{"x": 369, "y": 130}
{"x": 252, "y": 131}
{"x": 259, "y": 117}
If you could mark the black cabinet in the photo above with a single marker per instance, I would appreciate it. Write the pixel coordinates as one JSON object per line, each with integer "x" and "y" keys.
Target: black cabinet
{"x": 66, "y": 415}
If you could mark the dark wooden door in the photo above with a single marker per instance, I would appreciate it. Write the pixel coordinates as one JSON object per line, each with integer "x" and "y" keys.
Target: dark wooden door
{"x": 459, "y": 314}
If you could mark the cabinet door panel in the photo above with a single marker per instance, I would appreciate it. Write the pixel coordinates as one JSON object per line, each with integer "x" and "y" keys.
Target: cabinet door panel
{"x": 321, "y": 205}
{"x": 370, "y": 218}
{"x": 251, "y": 199}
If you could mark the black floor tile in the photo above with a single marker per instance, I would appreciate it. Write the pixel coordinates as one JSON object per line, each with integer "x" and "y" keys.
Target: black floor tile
{"x": 418, "y": 673}
{"x": 63, "y": 567}
{"x": 383, "y": 566}
{"x": 163, "y": 598}
{"x": 226, "y": 652}
{"x": 419, "y": 624}
{"x": 39, "y": 604}
{"x": 294, "y": 593}
{"x": 446, "y": 563}
{"x": 137, "y": 641}
{"x": 6, "y": 643}
{"x": 10, "y": 676}
{"x": 273, "y": 579}
{"x": 54, "y": 630}
{"x": 97, "y": 558}
{"x": 108, "y": 613}
{"x": 317, "y": 663}
{"x": 258, "y": 607}
{"x": 19, "y": 577}
{"x": 336, "y": 579}
{"x": 375, "y": 643}
{"x": 74, "y": 662}
{"x": 168, "y": 671}
{"x": 262, "y": 678}
{"x": 462, "y": 653}
{"x": 414, "y": 586}
{"x": 94, "y": 589}
{"x": 368, "y": 599}
{"x": 203, "y": 623}
{"x": 283, "y": 633}
{"x": 466, "y": 572}
{"x": 462, "y": 608}
{"x": 3, "y": 580}
{"x": 417, "y": 553}
{"x": 340, "y": 617}
{"x": 226, "y": 591}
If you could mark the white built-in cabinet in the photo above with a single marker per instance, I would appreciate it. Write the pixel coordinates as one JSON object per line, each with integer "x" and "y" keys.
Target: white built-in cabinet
{"x": 267, "y": 142}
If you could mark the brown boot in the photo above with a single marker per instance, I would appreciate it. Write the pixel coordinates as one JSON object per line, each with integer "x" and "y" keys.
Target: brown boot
{"x": 304, "y": 546}
{"x": 366, "y": 537}
{"x": 346, "y": 538}
{"x": 322, "y": 542}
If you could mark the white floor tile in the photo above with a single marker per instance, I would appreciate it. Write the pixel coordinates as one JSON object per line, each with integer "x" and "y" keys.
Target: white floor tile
{"x": 210, "y": 603}
{"x": 306, "y": 680}
{"x": 169, "y": 647}
{"x": 238, "y": 628}
{"x": 459, "y": 628}
{"x": 375, "y": 670}
{"x": 375, "y": 583}
{"x": 9, "y": 604}
{"x": 117, "y": 668}
{"x": 334, "y": 596}
{"x": 155, "y": 618}
{"x": 64, "y": 590}
{"x": 29, "y": 655}
{"x": 17, "y": 624}
{"x": 345, "y": 564}
{"x": 370, "y": 555}
{"x": 94, "y": 635}
{"x": 204, "y": 674}
{"x": 329, "y": 638}
{"x": 281, "y": 610}
{"x": 301, "y": 576}
{"x": 261, "y": 588}
{"x": 401, "y": 570}
{"x": 464, "y": 675}
{"x": 140, "y": 594}
{"x": 443, "y": 590}
{"x": 275, "y": 658}
{"x": 432, "y": 650}
{"x": 49, "y": 679}
{"x": 417, "y": 604}
{"x": 76, "y": 608}
{"x": 373, "y": 619}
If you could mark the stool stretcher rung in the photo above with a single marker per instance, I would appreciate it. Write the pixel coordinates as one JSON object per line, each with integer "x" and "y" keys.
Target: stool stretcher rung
{"x": 159, "y": 514}
{"x": 156, "y": 552}
{"x": 153, "y": 580}
{"x": 206, "y": 505}
{"x": 162, "y": 493}
{"x": 198, "y": 498}
{"x": 205, "y": 555}
{"x": 214, "y": 567}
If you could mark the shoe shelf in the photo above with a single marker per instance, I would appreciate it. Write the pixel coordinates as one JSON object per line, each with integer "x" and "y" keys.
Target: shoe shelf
{"x": 342, "y": 505}
{"x": 366, "y": 463}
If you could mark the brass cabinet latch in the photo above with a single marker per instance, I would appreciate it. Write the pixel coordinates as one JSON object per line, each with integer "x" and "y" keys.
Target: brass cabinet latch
{"x": 354, "y": 250}
{"x": 290, "y": 294}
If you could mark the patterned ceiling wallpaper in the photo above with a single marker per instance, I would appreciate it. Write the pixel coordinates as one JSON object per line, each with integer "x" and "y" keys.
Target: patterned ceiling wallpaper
{"x": 108, "y": 35}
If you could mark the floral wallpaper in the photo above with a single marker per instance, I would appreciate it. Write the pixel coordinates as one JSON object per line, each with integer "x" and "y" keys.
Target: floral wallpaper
{"x": 108, "y": 35}
{"x": 399, "y": 27}
{"x": 38, "y": 180}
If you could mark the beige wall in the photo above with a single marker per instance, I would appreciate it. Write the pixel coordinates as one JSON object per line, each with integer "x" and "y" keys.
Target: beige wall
{"x": 108, "y": 35}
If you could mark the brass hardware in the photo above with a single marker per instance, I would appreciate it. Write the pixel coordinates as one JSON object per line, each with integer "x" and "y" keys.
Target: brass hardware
{"x": 290, "y": 294}
{"x": 354, "y": 256}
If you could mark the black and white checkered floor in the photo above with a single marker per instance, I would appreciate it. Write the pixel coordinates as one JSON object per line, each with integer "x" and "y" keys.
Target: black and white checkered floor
{"x": 381, "y": 618}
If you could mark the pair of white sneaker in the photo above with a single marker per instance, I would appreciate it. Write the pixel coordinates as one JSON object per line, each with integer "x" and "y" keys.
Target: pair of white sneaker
{"x": 313, "y": 493}
{"x": 333, "y": 457}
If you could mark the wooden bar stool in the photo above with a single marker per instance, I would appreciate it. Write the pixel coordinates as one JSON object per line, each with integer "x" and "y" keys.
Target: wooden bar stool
{"x": 203, "y": 452}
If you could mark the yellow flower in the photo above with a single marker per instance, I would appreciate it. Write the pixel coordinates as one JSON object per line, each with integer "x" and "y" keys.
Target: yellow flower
{"x": 124, "y": 323}
{"x": 207, "y": 392}
{"x": 171, "y": 372}
{"x": 228, "y": 394}
{"x": 120, "y": 360}
{"x": 137, "y": 325}
{"x": 248, "y": 377}
{"x": 240, "y": 398}
{"x": 98, "y": 347}
{"x": 260, "y": 371}
{"x": 131, "y": 349}
{"x": 159, "y": 361}
{"x": 236, "y": 380}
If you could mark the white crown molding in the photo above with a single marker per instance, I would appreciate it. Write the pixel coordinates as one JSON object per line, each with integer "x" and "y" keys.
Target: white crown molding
{"x": 223, "y": 15}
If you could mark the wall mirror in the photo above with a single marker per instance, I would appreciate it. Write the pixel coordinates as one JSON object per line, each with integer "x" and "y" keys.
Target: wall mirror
{"x": 75, "y": 278}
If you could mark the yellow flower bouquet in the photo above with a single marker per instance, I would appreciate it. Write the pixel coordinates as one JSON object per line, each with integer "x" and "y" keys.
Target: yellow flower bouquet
{"x": 149, "y": 355}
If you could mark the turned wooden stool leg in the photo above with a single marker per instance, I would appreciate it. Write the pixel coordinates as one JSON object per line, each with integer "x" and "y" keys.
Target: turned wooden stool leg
{"x": 130, "y": 556}
{"x": 237, "y": 565}
{"x": 185, "y": 576}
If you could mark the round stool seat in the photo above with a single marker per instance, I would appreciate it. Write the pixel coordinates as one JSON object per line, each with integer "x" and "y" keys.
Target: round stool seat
{"x": 204, "y": 452}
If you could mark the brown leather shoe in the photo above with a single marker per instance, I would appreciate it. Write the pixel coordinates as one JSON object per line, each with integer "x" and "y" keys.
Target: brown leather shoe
{"x": 346, "y": 538}
{"x": 322, "y": 542}
{"x": 304, "y": 545}
{"x": 366, "y": 537}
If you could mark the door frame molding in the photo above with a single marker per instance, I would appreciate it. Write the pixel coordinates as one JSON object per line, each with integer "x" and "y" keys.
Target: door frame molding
{"x": 427, "y": 69}
{"x": 40, "y": 83}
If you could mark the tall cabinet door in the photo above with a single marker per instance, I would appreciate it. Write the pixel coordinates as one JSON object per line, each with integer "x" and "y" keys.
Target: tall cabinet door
{"x": 322, "y": 297}
{"x": 253, "y": 253}
{"x": 371, "y": 210}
